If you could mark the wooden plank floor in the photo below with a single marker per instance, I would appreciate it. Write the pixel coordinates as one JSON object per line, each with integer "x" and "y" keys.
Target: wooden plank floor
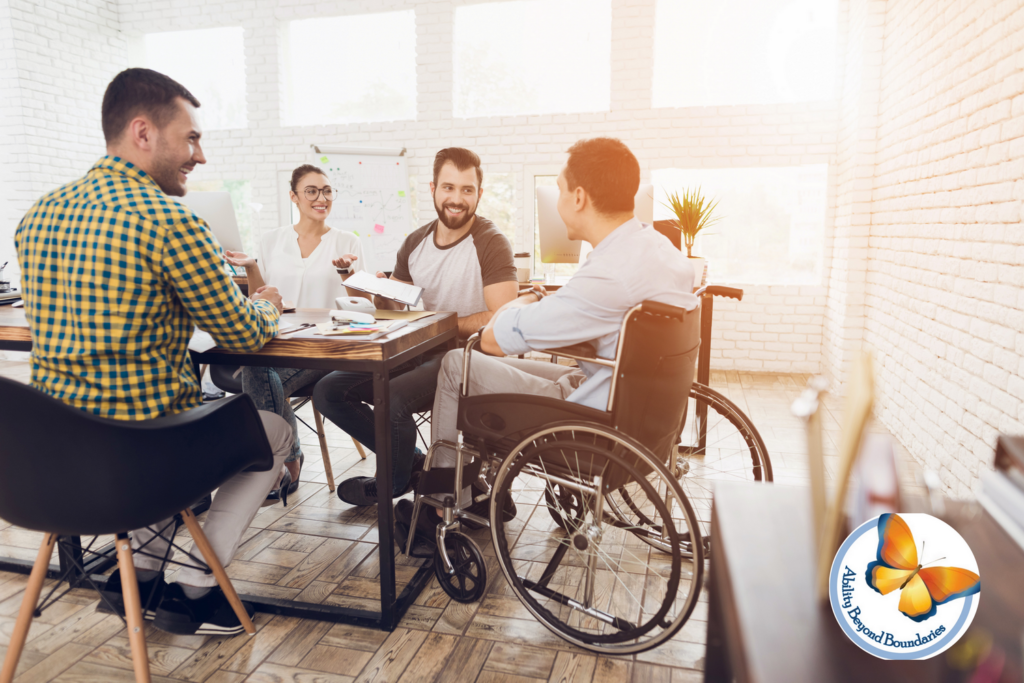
{"x": 321, "y": 550}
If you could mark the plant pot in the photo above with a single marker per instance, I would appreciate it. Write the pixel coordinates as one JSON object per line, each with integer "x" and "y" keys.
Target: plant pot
{"x": 698, "y": 270}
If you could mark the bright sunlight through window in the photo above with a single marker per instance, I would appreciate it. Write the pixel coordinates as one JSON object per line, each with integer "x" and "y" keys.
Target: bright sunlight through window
{"x": 210, "y": 62}
{"x": 772, "y": 221}
{"x": 351, "y": 69}
{"x": 733, "y": 52}
{"x": 532, "y": 57}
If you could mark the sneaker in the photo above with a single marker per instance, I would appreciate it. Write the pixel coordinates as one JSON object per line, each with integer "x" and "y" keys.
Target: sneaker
{"x": 426, "y": 524}
{"x": 208, "y": 615}
{"x": 362, "y": 491}
{"x": 150, "y": 594}
{"x": 358, "y": 491}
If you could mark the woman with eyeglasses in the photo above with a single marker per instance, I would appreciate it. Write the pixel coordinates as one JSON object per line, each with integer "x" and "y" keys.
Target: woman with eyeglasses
{"x": 303, "y": 261}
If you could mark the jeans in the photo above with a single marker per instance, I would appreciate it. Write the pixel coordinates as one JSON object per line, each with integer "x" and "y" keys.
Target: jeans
{"x": 345, "y": 398}
{"x": 270, "y": 389}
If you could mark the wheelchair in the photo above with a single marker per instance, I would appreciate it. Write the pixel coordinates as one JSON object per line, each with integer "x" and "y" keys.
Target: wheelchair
{"x": 577, "y": 554}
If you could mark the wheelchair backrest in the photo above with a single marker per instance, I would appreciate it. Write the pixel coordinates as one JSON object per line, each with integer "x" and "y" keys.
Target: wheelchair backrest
{"x": 655, "y": 365}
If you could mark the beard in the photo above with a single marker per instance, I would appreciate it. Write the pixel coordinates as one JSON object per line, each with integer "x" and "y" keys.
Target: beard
{"x": 454, "y": 223}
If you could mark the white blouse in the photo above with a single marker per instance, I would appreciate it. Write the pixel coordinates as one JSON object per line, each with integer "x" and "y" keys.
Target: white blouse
{"x": 310, "y": 282}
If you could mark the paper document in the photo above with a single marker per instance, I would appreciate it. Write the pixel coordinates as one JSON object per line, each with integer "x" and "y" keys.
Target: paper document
{"x": 389, "y": 289}
{"x": 366, "y": 332}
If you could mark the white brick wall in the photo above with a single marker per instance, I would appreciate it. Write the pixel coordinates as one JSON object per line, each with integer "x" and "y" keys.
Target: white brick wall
{"x": 10, "y": 140}
{"x": 56, "y": 59}
{"x": 944, "y": 297}
{"x": 757, "y": 334}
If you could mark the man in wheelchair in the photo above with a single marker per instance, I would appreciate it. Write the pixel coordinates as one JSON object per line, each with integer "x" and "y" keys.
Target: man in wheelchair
{"x": 551, "y": 433}
{"x": 631, "y": 262}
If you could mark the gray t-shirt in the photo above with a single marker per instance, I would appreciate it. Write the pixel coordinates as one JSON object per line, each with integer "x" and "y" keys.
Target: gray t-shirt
{"x": 453, "y": 277}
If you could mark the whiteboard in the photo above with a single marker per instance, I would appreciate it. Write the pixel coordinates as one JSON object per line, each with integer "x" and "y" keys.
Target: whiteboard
{"x": 373, "y": 202}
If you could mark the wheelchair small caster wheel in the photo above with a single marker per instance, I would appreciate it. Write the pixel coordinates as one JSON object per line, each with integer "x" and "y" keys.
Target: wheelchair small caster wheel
{"x": 468, "y": 580}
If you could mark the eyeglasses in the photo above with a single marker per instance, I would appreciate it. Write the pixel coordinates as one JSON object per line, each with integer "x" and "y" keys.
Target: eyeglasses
{"x": 312, "y": 193}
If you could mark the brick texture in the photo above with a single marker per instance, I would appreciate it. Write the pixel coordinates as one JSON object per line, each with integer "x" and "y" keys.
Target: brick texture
{"x": 945, "y": 277}
{"x": 56, "y": 58}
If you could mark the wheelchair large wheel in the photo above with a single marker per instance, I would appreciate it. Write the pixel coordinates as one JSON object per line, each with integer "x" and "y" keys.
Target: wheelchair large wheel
{"x": 718, "y": 443}
{"x": 584, "y": 574}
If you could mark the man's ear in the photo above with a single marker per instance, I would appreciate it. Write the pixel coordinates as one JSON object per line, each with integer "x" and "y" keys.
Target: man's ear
{"x": 580, "y": 198}
{"x": 142, "y": 133}
{"x": 431, "y": 189}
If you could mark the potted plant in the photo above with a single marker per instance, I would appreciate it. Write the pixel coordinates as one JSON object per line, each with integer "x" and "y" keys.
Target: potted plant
{"x": 692, "y": 214}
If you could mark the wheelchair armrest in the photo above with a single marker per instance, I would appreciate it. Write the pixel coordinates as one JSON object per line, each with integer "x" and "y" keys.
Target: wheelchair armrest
{"x": 503, "y": 420}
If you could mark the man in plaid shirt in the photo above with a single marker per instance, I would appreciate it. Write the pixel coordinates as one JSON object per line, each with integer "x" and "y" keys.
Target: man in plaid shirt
{"x": 115, "y": 276}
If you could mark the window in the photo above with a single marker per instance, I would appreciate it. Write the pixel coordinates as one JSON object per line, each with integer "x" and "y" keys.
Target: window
{"x": 743, "y": 52}
{"x": 498, "y": 204}
{"x": 532, "y": 57}
{"x": 211, "y": 64}
{"x": 350, "y": 69}
{"x": 772, "y": 226}
{"x": 246, "y": 212}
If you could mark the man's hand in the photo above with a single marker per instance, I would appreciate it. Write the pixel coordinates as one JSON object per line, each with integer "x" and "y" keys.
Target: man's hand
{"x": 345, "y": 261}
{"x": 268, "y": 293}
{"x": 237, "y": 258}
{"x": 488, "y": 340}
{"x": 386, "y": 304}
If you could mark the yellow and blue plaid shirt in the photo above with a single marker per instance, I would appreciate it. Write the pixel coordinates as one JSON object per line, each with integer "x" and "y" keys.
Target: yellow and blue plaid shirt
{"x": 115, "y": 276}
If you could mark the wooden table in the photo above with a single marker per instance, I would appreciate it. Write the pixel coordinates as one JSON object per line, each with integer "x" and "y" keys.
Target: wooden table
{"x": 764, "y": 623}
{"x": 306, "y": 350}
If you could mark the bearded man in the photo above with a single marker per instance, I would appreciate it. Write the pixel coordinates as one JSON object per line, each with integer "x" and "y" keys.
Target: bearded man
{"x": 464, "y": 264}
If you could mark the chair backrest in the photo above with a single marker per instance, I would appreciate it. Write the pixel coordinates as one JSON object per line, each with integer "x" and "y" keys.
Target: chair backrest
{"x": 656, "y": 362}
{"x": 66, "y": 471}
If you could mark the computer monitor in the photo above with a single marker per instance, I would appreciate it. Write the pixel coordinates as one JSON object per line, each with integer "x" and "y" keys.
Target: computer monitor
{"x": 555, "y": 245}
{"x": 217, "y": 210}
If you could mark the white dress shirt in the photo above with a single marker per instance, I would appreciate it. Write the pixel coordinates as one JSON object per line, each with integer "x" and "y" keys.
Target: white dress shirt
{"x": 311, "y": 282}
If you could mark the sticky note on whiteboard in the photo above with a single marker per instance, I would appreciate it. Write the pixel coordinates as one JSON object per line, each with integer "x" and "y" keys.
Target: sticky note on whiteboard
{"x": 401, "y": 193}
{"x": 323, "y": 160}
{"x": 378, "y": 228}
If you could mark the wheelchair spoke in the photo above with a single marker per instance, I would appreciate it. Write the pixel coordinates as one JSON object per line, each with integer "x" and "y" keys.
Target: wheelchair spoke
{"x": 612, "y": 593}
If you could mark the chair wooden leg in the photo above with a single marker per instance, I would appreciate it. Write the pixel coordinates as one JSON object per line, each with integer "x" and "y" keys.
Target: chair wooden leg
{"x": 323, "y": 448}
{"x": 28, "y": 608}
{"x": 359, "y": 447}
{"x": 133, "y": 609}
{"x": 199, "y": 538}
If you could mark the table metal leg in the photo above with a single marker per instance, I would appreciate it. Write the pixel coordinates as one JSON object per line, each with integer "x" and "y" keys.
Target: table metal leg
{"x": 382, "y": 425}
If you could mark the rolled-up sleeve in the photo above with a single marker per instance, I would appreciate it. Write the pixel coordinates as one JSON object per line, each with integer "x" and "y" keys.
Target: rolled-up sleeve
{"x": 587, "y": 308}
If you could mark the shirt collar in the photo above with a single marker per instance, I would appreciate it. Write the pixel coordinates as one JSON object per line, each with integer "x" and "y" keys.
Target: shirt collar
{"x": 627, "y": 228}
{"x": 111, "y": 164}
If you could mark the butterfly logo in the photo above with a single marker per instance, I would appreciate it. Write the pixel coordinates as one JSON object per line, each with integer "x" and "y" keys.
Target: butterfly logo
{"x": 922, "y": 588}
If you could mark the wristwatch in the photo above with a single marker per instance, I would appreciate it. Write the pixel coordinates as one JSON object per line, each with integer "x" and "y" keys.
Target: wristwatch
{"x": 345, "y": 271}
{"x": 534, "y": 290}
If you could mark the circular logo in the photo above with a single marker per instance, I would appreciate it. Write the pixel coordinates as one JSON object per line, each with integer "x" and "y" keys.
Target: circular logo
{"x": 904, "y": 586}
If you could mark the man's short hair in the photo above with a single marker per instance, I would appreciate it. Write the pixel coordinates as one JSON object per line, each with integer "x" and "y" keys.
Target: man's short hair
{"x": 607, "y": 170}
{"x": 140, "y": 91}
{"x": 462, "y": 158}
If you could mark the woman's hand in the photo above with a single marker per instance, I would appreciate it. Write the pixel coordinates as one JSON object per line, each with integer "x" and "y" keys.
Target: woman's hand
{"x": 237, "y": 258}
{"x": 344, "y": 261}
